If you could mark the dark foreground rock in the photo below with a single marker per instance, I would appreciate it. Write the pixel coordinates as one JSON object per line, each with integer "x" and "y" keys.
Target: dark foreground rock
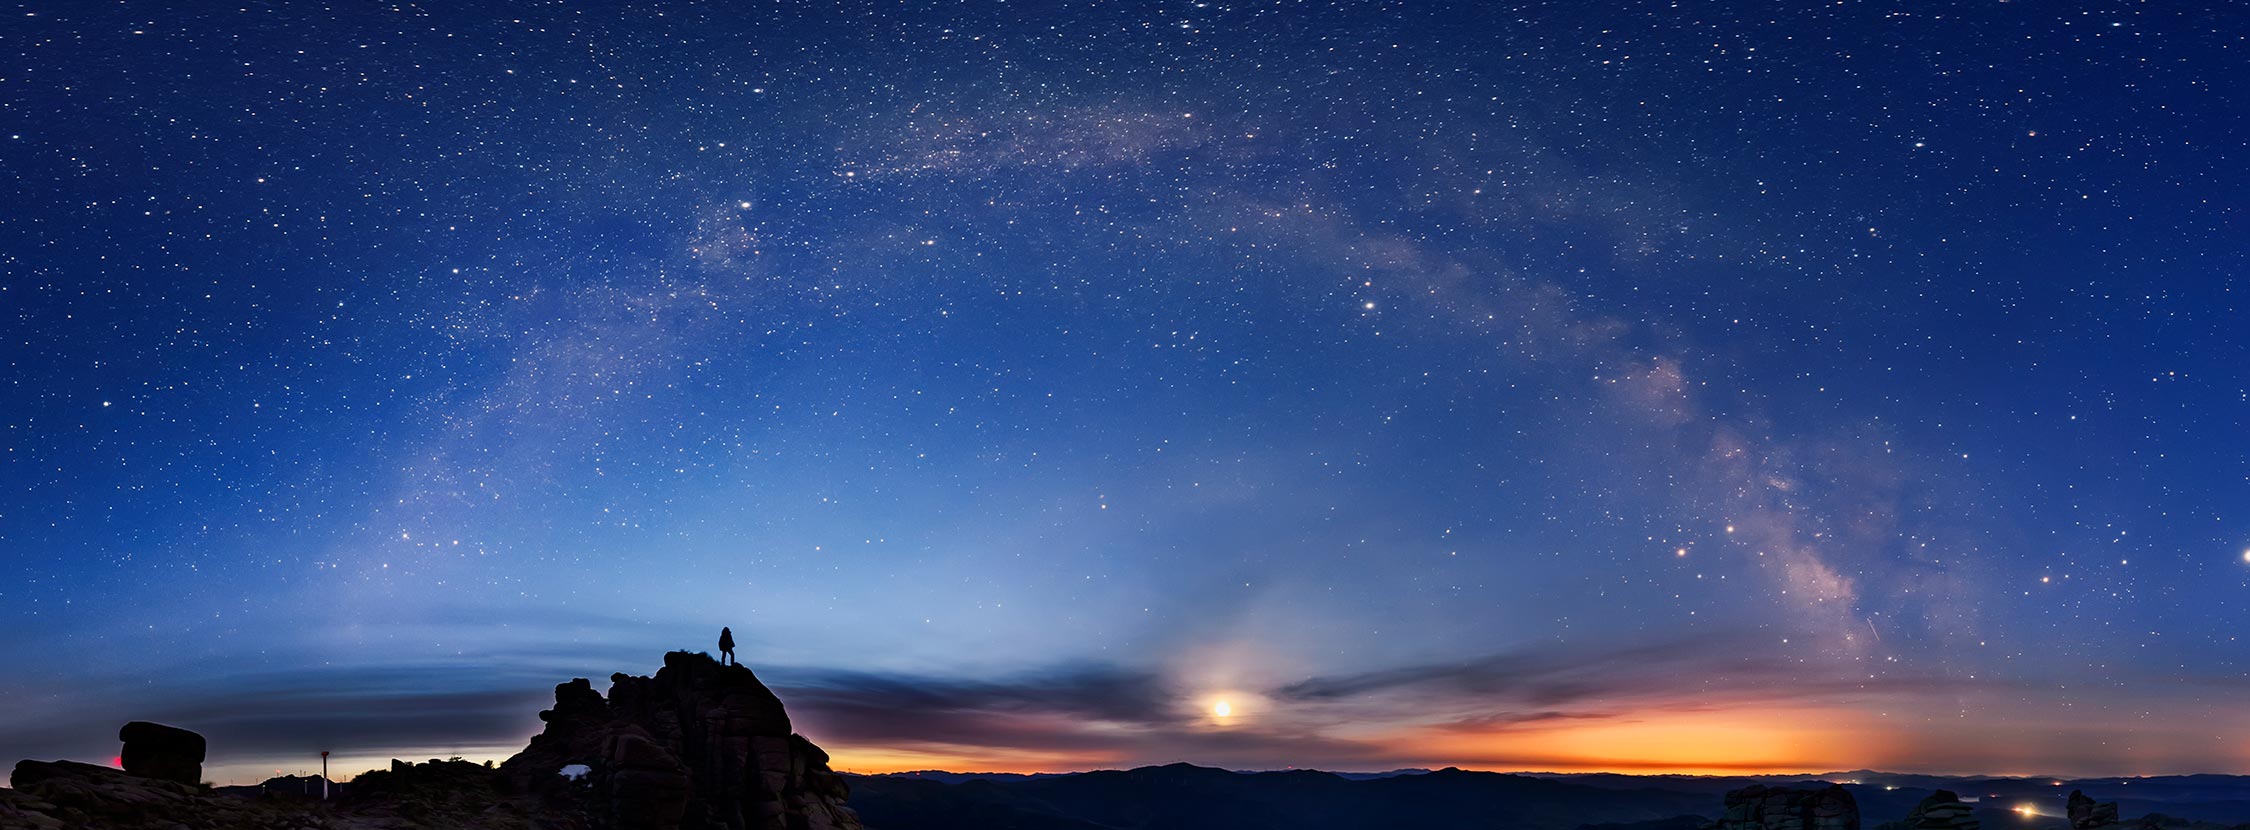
{"x": 449, "y": 794}
{"x": 1943, "y": 810}
{"x": 700, "y": 746}
{"x": 1783, "y": 808}
{"x": 65, "y": 794}
{"x": 2087, "y": 814}
{"x": 154, "y": 750}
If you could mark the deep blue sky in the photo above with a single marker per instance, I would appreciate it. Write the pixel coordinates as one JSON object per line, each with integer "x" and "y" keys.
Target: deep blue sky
{"x": 1626, "y": 385}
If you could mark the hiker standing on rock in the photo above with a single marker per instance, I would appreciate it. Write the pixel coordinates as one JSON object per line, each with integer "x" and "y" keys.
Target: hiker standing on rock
{"x": 726, "y": 645}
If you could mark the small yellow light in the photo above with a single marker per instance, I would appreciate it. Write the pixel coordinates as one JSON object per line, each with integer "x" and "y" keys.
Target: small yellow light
{"x": 1222, "y": 709}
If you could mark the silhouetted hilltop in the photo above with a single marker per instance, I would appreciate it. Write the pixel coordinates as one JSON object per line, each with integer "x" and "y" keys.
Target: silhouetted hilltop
{"x": 703, "y": 745}
{"x": 699, "y": 746}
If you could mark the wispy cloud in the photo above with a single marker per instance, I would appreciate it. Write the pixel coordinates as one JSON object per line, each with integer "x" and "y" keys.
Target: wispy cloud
{"x": 1549, "y": 674}
{"x": 1676, "y": 675}
{"x": 869, "y": 705}
{"x": 1102, "y": 714}
{"x": 296, "y": 714}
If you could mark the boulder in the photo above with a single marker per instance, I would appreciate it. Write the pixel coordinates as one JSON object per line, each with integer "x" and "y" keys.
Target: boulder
{"x": 2087, "y": 814}
{"x": 1943, "y": 810}
{"x": 1760, "y": 807}
{"x": 50, "y": 795}
{"x": 87, "y": 795}
{"x": 153, "y": 750}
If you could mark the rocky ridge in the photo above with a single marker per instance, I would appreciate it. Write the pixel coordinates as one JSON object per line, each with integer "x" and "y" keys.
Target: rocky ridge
{"x": 699, "y": 746}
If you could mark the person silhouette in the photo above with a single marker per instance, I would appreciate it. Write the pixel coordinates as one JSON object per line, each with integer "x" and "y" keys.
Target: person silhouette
{"x": 726, "y": 645}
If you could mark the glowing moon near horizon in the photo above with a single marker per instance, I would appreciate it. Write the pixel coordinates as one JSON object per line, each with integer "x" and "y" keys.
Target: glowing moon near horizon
{"x": 1222, "y": 709}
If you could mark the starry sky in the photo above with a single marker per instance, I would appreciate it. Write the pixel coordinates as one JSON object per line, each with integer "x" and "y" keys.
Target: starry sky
{"x": 1636, "y": 386}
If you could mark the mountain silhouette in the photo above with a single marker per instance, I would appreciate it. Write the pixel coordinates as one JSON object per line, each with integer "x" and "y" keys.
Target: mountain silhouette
{"x": 704, "y": 745}
{"x": 1187, "y": 797}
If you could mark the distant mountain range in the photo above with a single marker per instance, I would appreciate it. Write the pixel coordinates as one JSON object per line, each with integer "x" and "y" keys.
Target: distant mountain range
{"x": 1187, "y": 797}
{"x": 706, "y": 744}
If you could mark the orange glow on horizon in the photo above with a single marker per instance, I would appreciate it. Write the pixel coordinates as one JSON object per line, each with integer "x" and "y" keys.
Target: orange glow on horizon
{"x": 1720, "y": 742}
{"x": 877, "y": 760}
{"x": 1783, "y": 741}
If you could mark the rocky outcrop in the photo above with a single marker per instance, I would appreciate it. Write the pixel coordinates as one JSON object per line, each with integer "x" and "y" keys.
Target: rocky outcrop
{"x": 2087, "y": 814}
{"x": 451, "y": 794}
{"x": 435, "y": 793}
{"x": 1782, "y": 808}
{"x": 1943, "y": 810}
{"x": 64, "y": 794}
{"x": 154, "y": 750}
{"x": 71, "y": 794}
{"x": 700, "y": 746}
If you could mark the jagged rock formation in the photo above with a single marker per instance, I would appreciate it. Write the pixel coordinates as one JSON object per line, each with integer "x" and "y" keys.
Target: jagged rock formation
{"x": 700, "y": 746}
{"x": 1781, "y": 808}
{"x": 154, "y": 750}
{"x": 2086, "y": 814}
{"x": 1943, "y": 810}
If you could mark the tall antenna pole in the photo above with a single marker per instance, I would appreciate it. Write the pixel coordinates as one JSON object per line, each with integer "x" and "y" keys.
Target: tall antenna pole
{"x": 324, "y": 775}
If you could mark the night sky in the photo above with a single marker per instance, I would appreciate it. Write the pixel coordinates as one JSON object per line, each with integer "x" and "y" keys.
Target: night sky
{"x": 1627, "y": 386}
